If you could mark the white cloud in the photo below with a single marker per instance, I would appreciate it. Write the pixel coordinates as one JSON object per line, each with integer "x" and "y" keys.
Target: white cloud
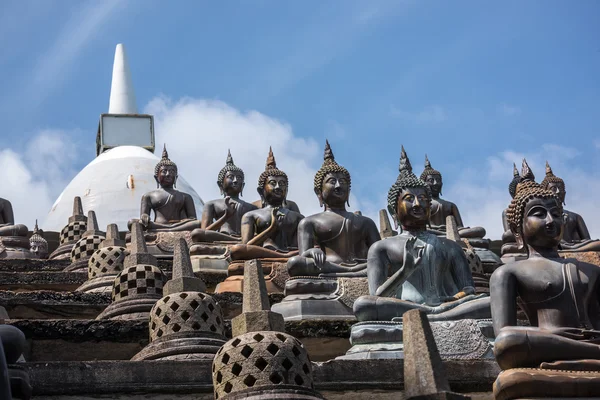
{"x": 482, "y": 197}
{"x": 430, "y": 114}
{"x": 198, "y": 133}
{"x": 509, "y": 110}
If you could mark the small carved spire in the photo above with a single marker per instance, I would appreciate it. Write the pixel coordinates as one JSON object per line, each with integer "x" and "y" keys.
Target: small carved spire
{"x": 165, "y": 154}
{"x": 183, "y": 278}
{"x": 112, "y": 237}
{"x": 515, "y": 171}
{"x": 36, "y": 230}
{"x": 328, "y": 157}
{"x": 549, "y": 170}
{"x": 404, "y": 162}
{"x": 271, "y": 164}
{"x": 427, "y": 163}
{"x": 229, "y": 160}
{"x": 526, "y": 172}
{"x": 77, "y": 206}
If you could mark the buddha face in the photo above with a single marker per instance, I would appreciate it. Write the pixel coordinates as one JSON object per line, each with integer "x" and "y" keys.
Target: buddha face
{"x": 558, "y": 189}
{"x": 167, "y": 175}
{"x": 233, "y": 183}
{"x": 435, "y": 184}
{"x": 542, "y": 223}
{"x": 275, "y": 190}
{"x": 335, "y": 189}
{"x": 413, "y": 208}
{"x": 39, "y": 249}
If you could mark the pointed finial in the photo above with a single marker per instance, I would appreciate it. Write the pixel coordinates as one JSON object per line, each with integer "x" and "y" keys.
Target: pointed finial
{"x": 112, "y": 237}
{"x": 165, "y": 154}
{"x": 427, "y": 163}
{"x": 548, "y": 169}
{"x": 526, "y": 172}
{"x": 122, "y": 95}
{"x": 515, "y": 170}
{"x": 77, "y": 206}
{"x": 138, "y": 252}
{"x": 92, "y": 222}
{"x": 183, "y": 279}
{"x": 229, "y": 160}
{"x": 328, "y": 154}
{"x": 36, "y": 229}
{"x": 404, "y": 162}
{"x": 271, "y": 164}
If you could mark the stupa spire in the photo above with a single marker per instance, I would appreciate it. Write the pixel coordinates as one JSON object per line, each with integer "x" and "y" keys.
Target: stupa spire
{"x": 122, "y": 95}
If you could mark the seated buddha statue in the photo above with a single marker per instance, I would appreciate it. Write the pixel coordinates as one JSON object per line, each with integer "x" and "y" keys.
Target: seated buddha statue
{"x": 222, "y": 218}
{"x": 271, "y": 231}
{"x": 560, "y": 298}
{"x": 7, "y": 221}
{"x": 330, "y": 270}
{"x": 576, "y": 236}
{"x": 417, "y": 269}
{"x": 441, "y": 209}
{"x": 335, "y": 240}
{"x": 174, "y": 211}
{"x": 268, "y": 234}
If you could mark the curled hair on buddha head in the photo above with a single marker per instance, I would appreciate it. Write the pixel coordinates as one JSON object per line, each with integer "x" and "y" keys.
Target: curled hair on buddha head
{"x": 229, "y": 166}
{"x": 406, "y": 179}
{"x": 429, "y": 171}
{"x": 527, "y": 190}
{"x": 164, "y": 162}
{"x": 329, "y": 166}
{"x": 270, "y": 170}
{"x": 551, "y": 178}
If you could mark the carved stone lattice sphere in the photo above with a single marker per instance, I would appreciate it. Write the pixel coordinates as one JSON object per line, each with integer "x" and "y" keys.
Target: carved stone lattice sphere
{"x": 139, "y": 280}
{"x": 85, "y": 247}
{"x": 260, "y": 360}
{"x": 105, "y": 261}
{"x": 185, "y": 311}
{"x": 72, "y": 231}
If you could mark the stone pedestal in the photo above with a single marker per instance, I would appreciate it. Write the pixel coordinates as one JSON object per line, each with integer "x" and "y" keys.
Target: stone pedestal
{"x": 161, "y": 244}
{"x": 274, "y": 270}
{"x": 15, "y": 247}
{"x": 466, "y": 339}
{"x": 321, "y": 298}
{"x": 103, "y": 267}
{"x": 210, "y": 256}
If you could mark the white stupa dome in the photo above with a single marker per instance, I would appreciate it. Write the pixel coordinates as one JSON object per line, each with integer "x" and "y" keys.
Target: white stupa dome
{"x": 112, "y": 185}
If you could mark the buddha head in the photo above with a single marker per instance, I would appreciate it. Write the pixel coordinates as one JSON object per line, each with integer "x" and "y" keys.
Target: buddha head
{"x": 554, "y": 184}
{"x": 231, "y": 178}
{"x": 535, "y": 216}
{"x": 332, "y": 181}
{"x": 37, "y": 244}
{"x": 165, "y": 172}
{"x": 272, "y": 183}
{"x": 432, "y": 178}
{"x": 409, "y": 198}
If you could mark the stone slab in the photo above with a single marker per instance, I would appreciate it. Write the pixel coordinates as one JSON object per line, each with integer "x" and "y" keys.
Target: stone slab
{"x": 42, "y": 280}
{"x": 375, "y": 377}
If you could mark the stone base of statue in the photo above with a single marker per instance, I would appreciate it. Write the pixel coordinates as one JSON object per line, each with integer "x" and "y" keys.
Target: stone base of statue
{"x": 320, "y": 298}
{"x": 284, "y": 392}
{"x": 161, "y": 244}
{"x": 137, "y": 308}
{"x": 274, "y": 270}
{"x": 15, "y": 247}
{"x": 550, "y": 383}
{"x": 20, "y": 384}
{"x": 210, "y": 257}
{"x": 189, "y": 345}
{"x": 465, "y": 339}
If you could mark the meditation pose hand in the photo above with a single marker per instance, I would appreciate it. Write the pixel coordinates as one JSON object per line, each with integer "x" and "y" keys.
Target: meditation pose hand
{"x": 7, "y": 221}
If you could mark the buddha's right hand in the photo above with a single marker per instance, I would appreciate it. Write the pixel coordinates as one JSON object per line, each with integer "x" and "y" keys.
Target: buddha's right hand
{"x": 231, "y": 207}
{"x": 317, "y": 255}
{"x": 412, "y": 254}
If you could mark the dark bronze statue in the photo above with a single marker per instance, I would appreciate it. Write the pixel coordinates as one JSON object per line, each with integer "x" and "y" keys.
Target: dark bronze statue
{"x": 428, "y": 272}
{"x": 271, "y": 231}
{"x": 560, "y": 296}
{"x": 441, "y": 209}
{"x": 222, "y": 218}
{"x": 7, "y": 221}
{"x": 174, "y": 211}
{"x": 576, "y": 236}
{"x": 335, "y": 240}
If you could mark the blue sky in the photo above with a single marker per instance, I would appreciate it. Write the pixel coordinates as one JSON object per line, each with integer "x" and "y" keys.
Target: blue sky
{"x": 475, "y": 85}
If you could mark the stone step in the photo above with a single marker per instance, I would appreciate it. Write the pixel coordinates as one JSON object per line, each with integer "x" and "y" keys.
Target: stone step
{"x": 348, "y": 379}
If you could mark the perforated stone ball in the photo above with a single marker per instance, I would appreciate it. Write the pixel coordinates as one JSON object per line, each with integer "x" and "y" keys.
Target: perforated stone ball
{"x": 107, "y": 260}
{"x": 137, "y": 281}
{"x": 85, "y": 247}
{"x": 260, "y": 359}
{"x": 185, "y": 311}
{"x": 72, "y": 231}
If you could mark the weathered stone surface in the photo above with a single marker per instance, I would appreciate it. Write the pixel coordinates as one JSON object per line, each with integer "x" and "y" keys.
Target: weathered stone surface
{"x": 32, "y": 265}
{"x": 47, "y": 304}
{"x": 183, "y": 279}
{"x": 42, "y": 280}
